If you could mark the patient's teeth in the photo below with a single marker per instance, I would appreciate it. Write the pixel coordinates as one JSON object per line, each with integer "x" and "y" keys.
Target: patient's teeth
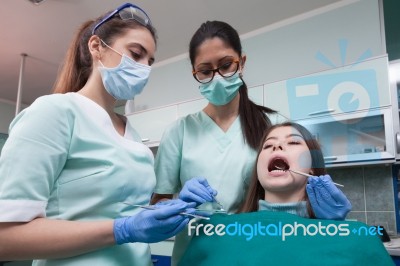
{"x": 277, "y": 170}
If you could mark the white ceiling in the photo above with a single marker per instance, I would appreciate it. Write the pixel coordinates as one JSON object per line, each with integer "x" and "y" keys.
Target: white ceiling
{"x": 44, "y": 31}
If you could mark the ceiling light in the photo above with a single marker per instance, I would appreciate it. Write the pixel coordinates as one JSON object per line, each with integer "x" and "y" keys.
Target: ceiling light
{"x": 36, "y": 2}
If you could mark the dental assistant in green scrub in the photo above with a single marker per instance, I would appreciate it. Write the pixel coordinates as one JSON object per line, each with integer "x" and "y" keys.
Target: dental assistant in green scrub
{"x": 71, "y": 167}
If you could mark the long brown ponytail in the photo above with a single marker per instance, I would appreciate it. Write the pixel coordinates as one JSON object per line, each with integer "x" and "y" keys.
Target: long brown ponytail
{"x": 77, "y": 64}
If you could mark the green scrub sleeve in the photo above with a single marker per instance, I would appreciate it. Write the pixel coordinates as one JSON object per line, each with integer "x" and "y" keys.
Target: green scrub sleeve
{"x": 33, "y": 157}
{"x": 168, "y": 159}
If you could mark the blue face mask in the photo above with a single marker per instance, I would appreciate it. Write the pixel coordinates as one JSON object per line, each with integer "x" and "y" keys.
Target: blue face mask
{"x": 220, "y": 90}
{"x": 126, "y": 80}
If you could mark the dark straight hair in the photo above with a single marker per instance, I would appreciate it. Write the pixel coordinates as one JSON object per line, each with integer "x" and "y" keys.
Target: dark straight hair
{"x": 257, "y": 192}
{"x": 253, "y": 117}
{"x": 78, "y": 62}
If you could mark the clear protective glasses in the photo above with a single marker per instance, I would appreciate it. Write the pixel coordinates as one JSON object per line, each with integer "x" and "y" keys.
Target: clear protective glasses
{"x": 125, "y": 12}
{"x": 227, "y": 69}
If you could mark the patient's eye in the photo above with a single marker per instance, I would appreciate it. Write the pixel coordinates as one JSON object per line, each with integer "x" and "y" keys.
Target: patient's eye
{"x": 267, "y": 146}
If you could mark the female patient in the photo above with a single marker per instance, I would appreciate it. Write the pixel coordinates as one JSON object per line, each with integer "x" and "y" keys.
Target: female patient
{"x": 287, "y": 146}
{"x": 277, "y": 199}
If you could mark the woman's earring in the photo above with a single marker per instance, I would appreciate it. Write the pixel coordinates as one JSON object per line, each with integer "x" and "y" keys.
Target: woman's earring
{"x": 241, "y": 72}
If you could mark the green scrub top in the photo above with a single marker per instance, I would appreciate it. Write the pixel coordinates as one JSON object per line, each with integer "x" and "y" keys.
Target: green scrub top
{"x": 65, "y": 160}
{"x": 195, "y": 146}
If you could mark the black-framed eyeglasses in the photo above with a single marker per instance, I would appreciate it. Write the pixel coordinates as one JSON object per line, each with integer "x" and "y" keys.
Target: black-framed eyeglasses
{"x": 126, "y": 11}
{"x": 226, "y": 70}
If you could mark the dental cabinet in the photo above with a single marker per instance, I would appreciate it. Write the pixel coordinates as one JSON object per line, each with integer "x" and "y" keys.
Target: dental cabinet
{"x": 359, "y": 138}
{"x": 359, "y": 86}
{"x": 151, "y": 123}
{"x": 348, "y": 109}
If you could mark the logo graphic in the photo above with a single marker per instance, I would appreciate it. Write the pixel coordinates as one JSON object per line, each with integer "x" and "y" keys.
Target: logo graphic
{"x": 281, "y": 230}
{"x": 344, "y": 89}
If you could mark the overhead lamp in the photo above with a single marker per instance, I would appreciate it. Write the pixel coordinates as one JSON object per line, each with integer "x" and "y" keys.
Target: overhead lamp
{"x": 36, "y": 2}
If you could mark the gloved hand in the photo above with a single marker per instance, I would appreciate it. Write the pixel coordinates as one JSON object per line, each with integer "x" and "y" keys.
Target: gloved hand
{"x": 151, "y": 226}
{"x": 197, "y": 190}
{"x": 327, "y": 201}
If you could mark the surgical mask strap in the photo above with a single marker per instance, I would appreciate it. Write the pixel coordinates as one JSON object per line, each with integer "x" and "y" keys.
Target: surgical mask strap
{"x": 111, "y": 47}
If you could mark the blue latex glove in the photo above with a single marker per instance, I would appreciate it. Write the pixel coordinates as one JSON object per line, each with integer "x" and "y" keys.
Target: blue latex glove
{"x": 327, "y": 201}
{"x": 197, "y": 190}
{"x": 151, "y": 226}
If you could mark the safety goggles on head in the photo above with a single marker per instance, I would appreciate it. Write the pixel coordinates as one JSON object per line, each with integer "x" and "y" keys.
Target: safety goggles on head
{"x": 126, "y": 11}
{"x": 226, "y": 69}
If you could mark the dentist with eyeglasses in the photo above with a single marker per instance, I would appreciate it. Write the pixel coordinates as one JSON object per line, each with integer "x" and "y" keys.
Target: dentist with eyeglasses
{"x": 72, "y": 168}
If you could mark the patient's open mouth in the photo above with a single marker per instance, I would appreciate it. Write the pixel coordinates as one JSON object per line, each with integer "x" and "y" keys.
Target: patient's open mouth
{"x": 278, "y": 164}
